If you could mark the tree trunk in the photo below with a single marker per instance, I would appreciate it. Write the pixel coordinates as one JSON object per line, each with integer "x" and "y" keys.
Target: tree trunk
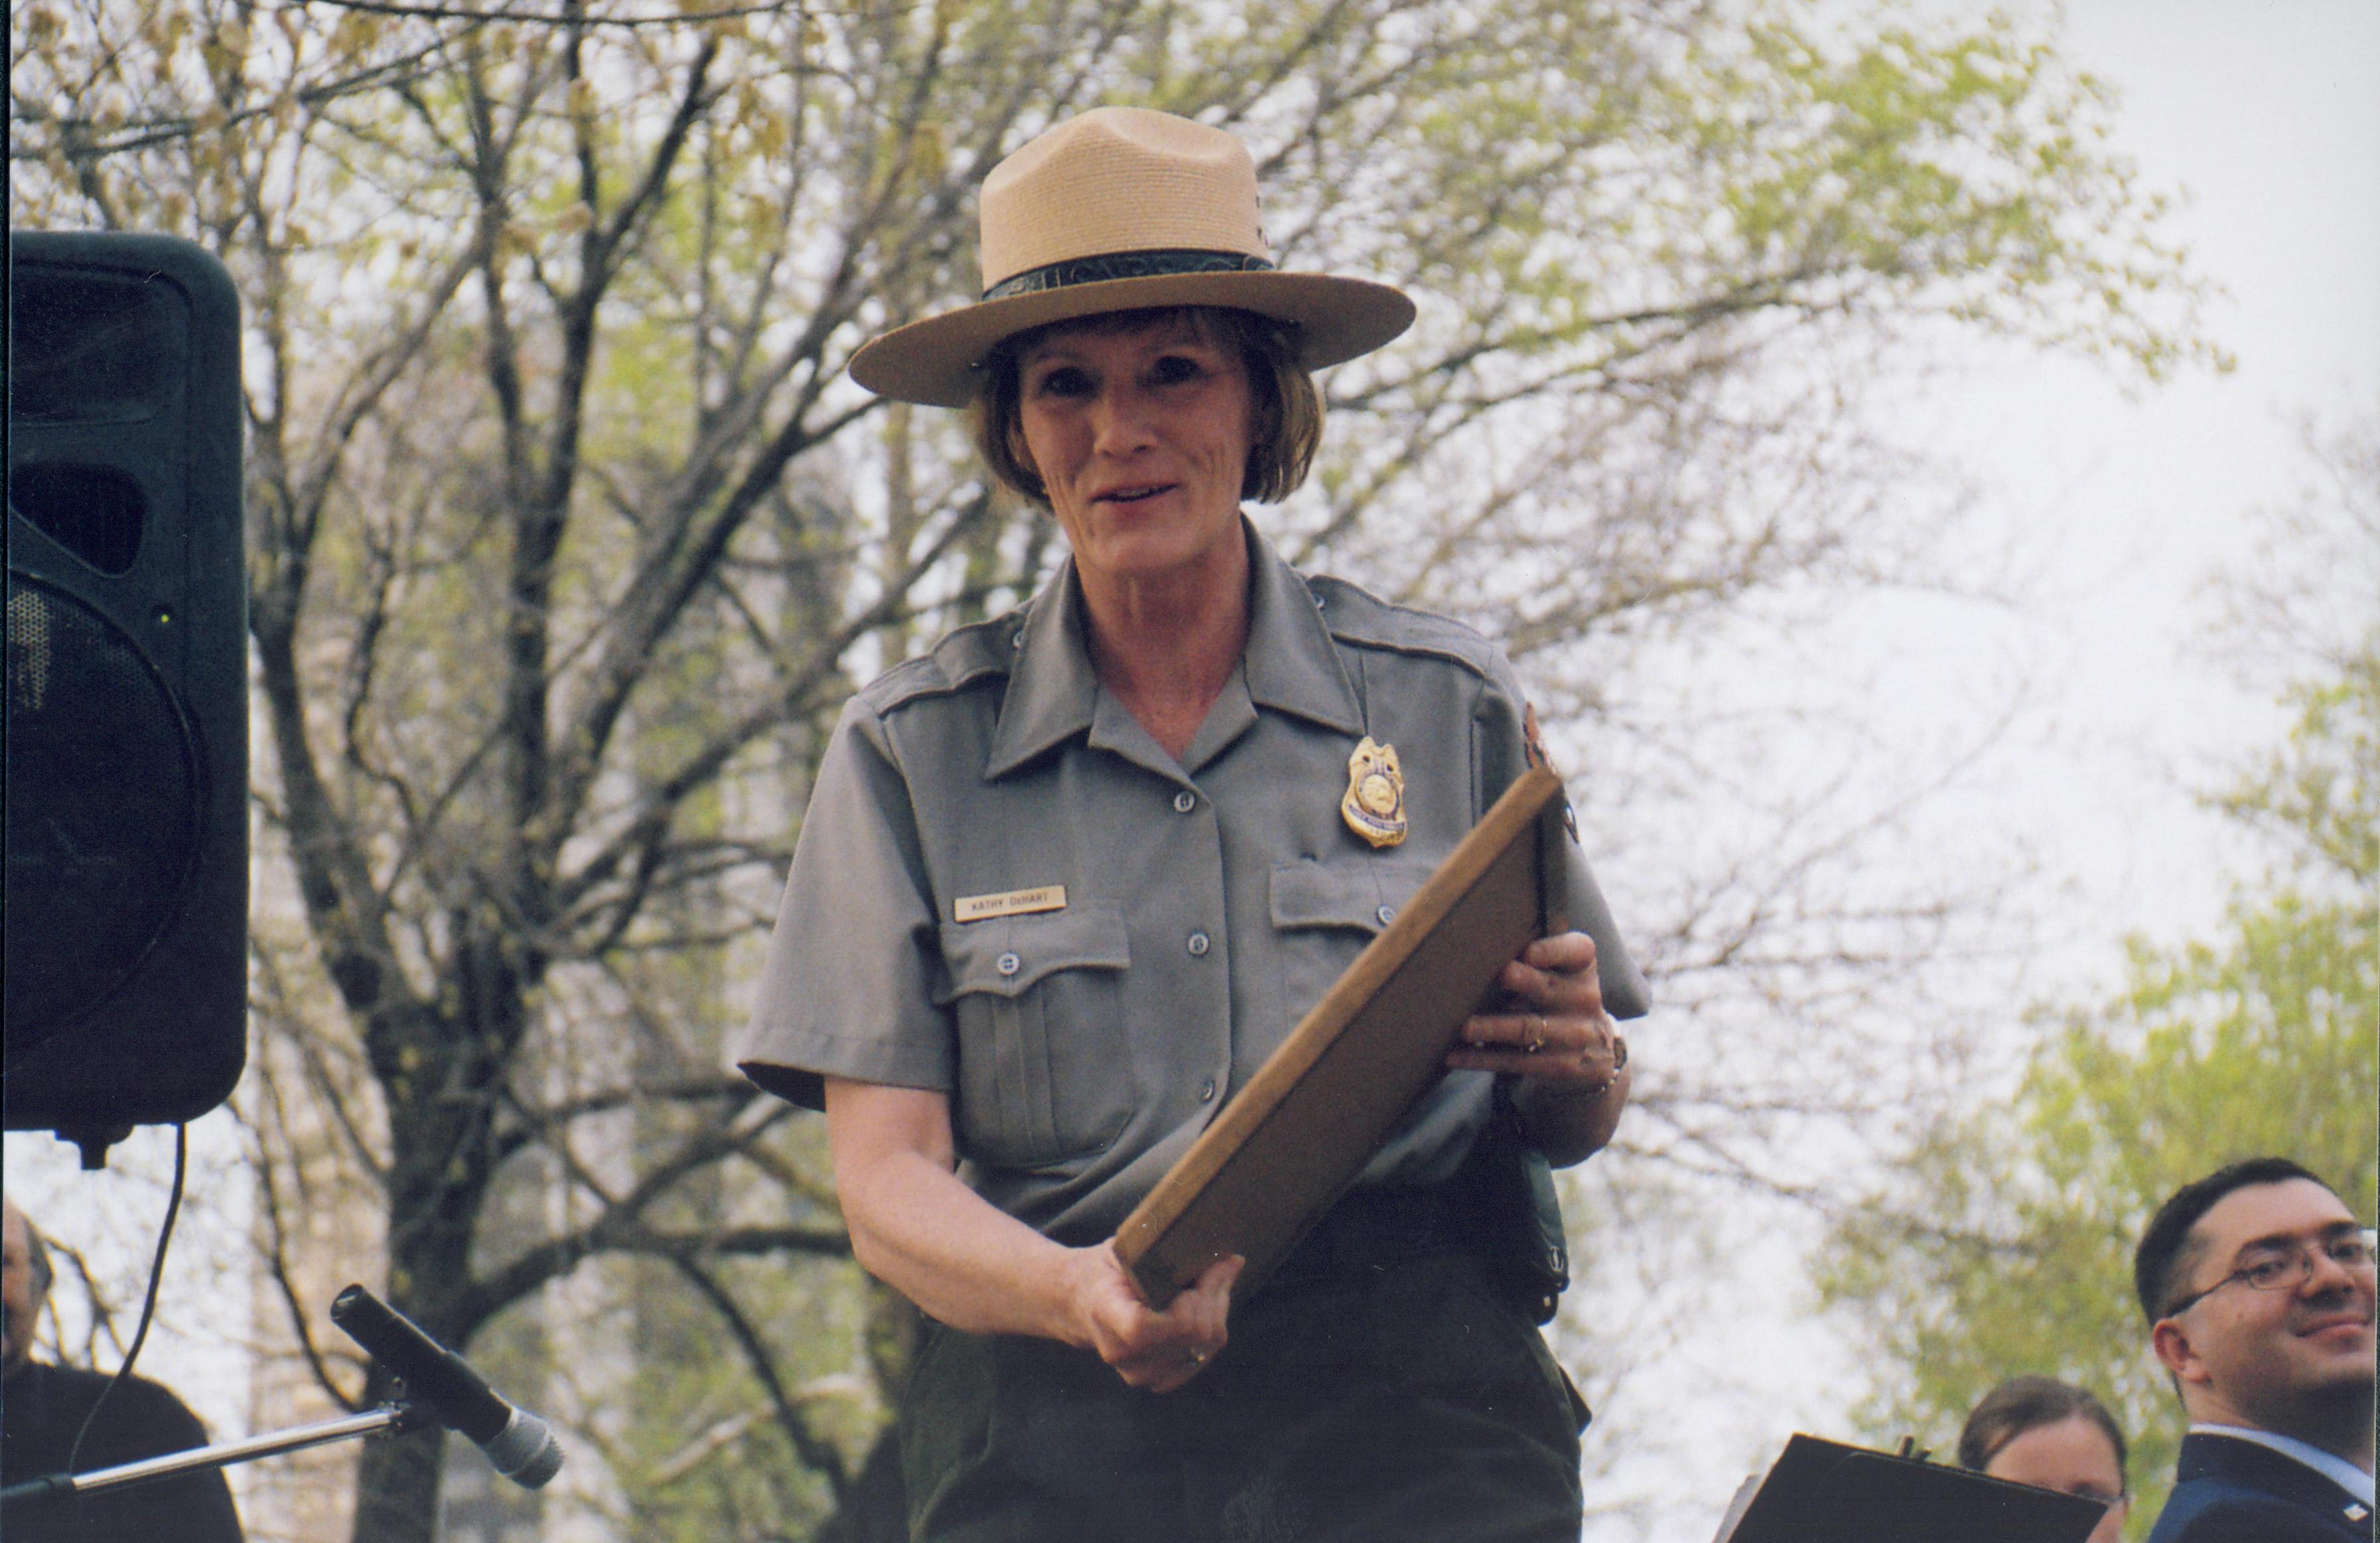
{"x": 440, "y": 1078}
{"x": 396, "y": 1484}
{"x": 875, "y": 1508}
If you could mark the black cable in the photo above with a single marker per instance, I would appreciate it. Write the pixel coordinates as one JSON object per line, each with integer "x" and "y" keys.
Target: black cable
{"x": 148, "y": 1304}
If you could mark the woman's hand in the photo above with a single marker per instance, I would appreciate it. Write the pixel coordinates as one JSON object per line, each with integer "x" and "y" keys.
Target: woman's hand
{"x": 1557, "y": 1039}
{"x": 1557, "y": 1030}
{"x": 915, "y": 1227}
{"x": 1152, "y": 1349}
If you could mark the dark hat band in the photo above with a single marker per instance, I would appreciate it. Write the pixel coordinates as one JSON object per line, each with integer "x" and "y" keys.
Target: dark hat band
{"x": 1125, "y": 265}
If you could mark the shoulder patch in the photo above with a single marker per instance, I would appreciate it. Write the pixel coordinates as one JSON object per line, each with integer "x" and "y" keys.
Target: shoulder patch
{"x": 956, "y": 661}
{"x": 1355, "y": 614}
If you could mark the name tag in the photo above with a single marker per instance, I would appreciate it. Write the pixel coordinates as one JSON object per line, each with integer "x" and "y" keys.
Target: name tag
{"x": 1015, "y": 903}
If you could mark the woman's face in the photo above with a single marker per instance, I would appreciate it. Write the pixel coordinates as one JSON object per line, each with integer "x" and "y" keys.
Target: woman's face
{"x": 1141, "y": 438}
{"x": 2073, "y": 1456}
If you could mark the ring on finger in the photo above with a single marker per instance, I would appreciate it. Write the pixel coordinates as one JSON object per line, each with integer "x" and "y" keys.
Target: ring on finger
{"x": 1537, "y": 1036}
{"x": 1618, "y": 1050}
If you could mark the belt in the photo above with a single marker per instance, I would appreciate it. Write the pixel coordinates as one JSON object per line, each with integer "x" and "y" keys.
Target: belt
{"x": 1371, "y": 1228}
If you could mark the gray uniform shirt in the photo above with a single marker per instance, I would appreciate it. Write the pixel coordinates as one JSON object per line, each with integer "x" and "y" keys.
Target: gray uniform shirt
{"x": 1206, "y": 902}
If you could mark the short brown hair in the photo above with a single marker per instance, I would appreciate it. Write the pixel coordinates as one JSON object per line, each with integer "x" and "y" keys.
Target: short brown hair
{"x": 2168, "y": 1253}
{"x": 2023, "y": 1403}
{"x": 1287, "y": 407}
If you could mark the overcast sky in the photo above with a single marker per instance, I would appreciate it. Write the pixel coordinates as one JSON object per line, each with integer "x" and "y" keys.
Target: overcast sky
{"x": 2266, "y": 113}
{"x": 2122, "y": 503}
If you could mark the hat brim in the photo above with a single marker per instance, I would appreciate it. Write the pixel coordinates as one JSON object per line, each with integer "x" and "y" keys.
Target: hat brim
{"x": 937, "y": 362}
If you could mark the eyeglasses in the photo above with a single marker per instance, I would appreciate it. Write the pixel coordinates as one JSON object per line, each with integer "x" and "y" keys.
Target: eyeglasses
{"x": 2285, "y": 1267}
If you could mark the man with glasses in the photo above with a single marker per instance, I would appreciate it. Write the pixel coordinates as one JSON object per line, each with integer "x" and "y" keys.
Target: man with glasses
{"x": 2258, "y": 1286}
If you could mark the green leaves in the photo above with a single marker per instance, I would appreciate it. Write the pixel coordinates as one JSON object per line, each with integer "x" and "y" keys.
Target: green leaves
{"x": 2004, "y": 1246}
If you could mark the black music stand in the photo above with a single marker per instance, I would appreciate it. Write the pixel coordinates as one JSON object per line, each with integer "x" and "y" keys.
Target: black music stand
{"x": 1825, "y": 1492}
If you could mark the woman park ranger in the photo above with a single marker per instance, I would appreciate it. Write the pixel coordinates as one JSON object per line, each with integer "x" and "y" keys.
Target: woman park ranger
{"x": 1067, "y": 879}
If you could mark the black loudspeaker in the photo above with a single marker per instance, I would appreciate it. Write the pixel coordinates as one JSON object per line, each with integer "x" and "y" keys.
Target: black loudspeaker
{"x": 127, "y": 905}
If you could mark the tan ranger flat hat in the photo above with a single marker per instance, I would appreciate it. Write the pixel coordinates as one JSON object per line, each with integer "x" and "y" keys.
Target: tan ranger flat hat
{"x": 1117, "y": 210}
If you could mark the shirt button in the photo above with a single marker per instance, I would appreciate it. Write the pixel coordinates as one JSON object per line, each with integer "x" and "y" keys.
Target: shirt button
{"x": 1386, "y": 915}
{"x": 1007, "y": 964}
{"x": 1185, "y": 801}
{"x": 1200, "y": 943}
{"x": 1207, "y": 1091}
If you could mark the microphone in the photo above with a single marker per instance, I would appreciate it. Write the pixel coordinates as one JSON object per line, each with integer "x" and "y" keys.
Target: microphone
{"x": 517, "y": 1442}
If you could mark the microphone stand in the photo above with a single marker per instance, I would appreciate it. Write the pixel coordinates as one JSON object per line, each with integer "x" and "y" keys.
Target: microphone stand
{"x": 394, "y": 1417}
{"x": 441, "y": 1388}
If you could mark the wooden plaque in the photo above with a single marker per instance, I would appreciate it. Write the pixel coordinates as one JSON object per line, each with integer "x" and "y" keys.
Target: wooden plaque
{"x": 1292, "y": 1141}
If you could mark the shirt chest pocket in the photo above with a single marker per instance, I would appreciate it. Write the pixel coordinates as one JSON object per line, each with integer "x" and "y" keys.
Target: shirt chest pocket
{"x": 1045, "y": 1070}
{"x": 1324, "y": 914}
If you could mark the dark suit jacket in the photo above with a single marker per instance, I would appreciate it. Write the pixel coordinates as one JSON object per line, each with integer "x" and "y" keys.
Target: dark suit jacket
{"x": 2232, "y": 1491}
{"x": 41, "y": 1406}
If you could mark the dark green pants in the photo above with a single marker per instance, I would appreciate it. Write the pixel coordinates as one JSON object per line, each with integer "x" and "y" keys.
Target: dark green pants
{"x": 1379, "y": 1388}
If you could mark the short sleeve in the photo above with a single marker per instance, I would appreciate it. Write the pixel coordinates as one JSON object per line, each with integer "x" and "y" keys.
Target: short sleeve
{"x": 1625, "y": 993}
{"x": 849, "y": 987}
{"x": 1571, "y": 890}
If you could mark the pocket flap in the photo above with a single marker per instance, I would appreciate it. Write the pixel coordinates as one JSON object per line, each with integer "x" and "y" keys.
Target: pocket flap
{"x": 1354, "y": 893}
{"x": 1005, "y": 954}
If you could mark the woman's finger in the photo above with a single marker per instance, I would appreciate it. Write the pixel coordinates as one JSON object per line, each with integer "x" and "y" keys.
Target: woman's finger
{"x": 1203, "y": 1315}
{"x": 1561, "y": 953}
{"x": 1162, "y": 1351}
{"x": 1555, "y": 974}
{"x": 1573, "y": 1048}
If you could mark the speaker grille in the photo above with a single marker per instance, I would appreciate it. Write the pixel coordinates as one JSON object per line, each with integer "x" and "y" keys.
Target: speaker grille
{"x": 103, "y": 811}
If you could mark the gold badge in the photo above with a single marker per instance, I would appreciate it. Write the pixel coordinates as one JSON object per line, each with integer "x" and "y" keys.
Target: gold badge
{"x": 1375, "y": 804}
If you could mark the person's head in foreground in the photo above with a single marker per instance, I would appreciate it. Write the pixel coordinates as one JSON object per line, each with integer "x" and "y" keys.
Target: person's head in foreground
{"x": 2040, "y": 1432}
{"x": 24, "y": 1283}
{"x": 1137, "y": 365}
{"x": 2258, "y": 1286}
